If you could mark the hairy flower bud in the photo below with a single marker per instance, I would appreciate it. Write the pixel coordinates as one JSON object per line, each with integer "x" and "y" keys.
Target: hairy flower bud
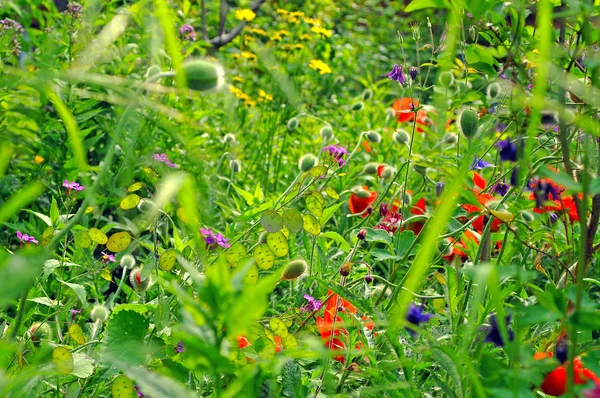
{"x": 235, "y": 166}
{"x": 294, "y": 269}
{"x": 307, "y": 162}
{"x": 292, "y": 124}
{"x": 367, "y": 94}
{"x": 358, "y": 106}
{"x": 127, "y": 261}
{"x": 468, "y": 122}
{"x": 445, "y": 79}
{"x": 326, "y": 132}
{"x": 201, "y": 74}
{"x": 361, "y": 192}
{"x": 401, "y": 137}
{"x": 450, "y": 138}
{"x": 493, "y": 91}
{"x": 135, "y": 278}
{"x": 40, "y": 331}
{"x": 230, "y": 139}
{"x": 373, "y": 136}
{"x": 99, "y": 313}
{"x": 370, "y": 168}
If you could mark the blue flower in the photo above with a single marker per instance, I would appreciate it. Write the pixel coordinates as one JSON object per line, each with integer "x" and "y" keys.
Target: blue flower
{"x": 416, "y": 316}
{"x": 494, "y": 335}
{"x": 396, "y": 74}
{"x": 479, "y": 164}
{"x": 501, "y": 188}
{"x": 508, "y": 151}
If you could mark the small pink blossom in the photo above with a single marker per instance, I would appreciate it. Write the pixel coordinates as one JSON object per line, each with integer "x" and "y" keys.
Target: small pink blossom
{"x": 24, "y": 238}
{"x": 164, "y": 159}
{"x": 72, "y": 186}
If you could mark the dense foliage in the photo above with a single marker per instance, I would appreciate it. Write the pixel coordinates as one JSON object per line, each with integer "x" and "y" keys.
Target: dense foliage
{"x": 289, "y": 198}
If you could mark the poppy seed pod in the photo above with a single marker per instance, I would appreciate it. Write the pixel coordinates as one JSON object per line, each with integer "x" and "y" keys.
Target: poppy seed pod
{"x": 294, "y": 269}
{"x": 307, "y": 162}
{"x": 370, "y": 168}
{"x": 401, "y": 137}
{"x": 235, "y": 166}
{"x": 99, "y": 313}
{"x": 345, "y": 269}
{"x": 493, "y": 91}
{"x": 135, "y": 278}
{"x": 450, "y": 138}
{"x": 326, "y": 132}
{"x": 468, "y": 122}
{"x": 202, "y": 75}
{"x": 445, "y": 79}
{"x": 373, "y": 136}
{"x": 127, "y": 261}
{"x": 358, "y": 106}
{"x": 367, "y": 95}
{"x": 292, "y": 124}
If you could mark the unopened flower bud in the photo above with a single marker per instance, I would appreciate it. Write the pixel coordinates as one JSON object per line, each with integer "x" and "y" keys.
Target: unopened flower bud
{"x": 413, "y": 72}
{"x": 527, "y": 216}
{"x": 202, "y": 75}
{"x": 367, "y": 95}
{"x": 40, "y": 331}
{"x": 368, "y": 279}
{"x": 307, "y": 162}
{"x": 370, "y": 168}
{"x": 345, "y": 269}
{"x": 493, "y": 90}
{"x": 230, "y": 139}
{"x": 373, "y": 136}
{"x": 292, "y": 124}
{"x": 326, "y": 132}
{"x": 362, "y": 234}
{"x": 339, "y": 79}
{"x": 235, "y": 166}
{"x": 401, "y": 137}
{"x": 99, "y": 313}
{"x": 387, "y": 172}
{"x": 439, "y": 188}
{"x": 361, "y": 192}
{"x": 445, "y": 79}
{"x": 390, "y": 112}
{"x": 127, "y": 261}
{"x": 468, "y": 122}
{"x": 450, "y": 138}
{"x": 152, "y": 71}
{"x": 358, "y": 106}
{"x": 420, "y": 169}
{"x": 135, "y": 278}
{"x": 294, "y": 269}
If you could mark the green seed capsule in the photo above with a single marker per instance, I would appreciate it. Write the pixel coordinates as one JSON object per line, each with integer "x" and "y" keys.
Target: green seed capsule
{"x": 401, "y": 137}
{"x": 527, "y": 216}
{"x": 202, "y": 75}
{"x": 307, "y": 162}
{"x": 99, "y": 313}
{"x": 292, "y": 124}
{"x": 326, "y": 132}
{"x": 358, "y": 106}
{"x": 294, "y": 269}
{"x": 373, "y": 136}
{"x": 468, "y": 122}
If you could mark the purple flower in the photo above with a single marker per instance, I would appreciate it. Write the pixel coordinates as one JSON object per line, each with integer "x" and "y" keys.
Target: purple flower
{"x": 179, "y": 347}
{"x": 479, "y": 164}
{"x": 595, "y": 393}
{"x": 396, "y": 74}
{"x": 494, "y": 336}
{"x": 72, "y": 186}
{"x": 24, "y": 238}
{"x": 337, "y": 152}
{"x": 312, "y": 305}
{"x": 413, "y": 72}
{"x": 164, "y": 159}
{"x": 555, "y": 128}
{"x": 416, "y": 316}
{"x": 108, "y": 258}
{"x": 508, "y": 151}
{"x": 212, "y": 240}
{"x": 188, "y": 33}
{"x": 74, "y": 314}
{"x": 8, "y": 24}
{"x": 439, "y": 188}
{"x": 500, "y": 188}
{"x": 140, "y": 394}
{"x": 383, "y": 210}
{"x": 74, "y": 9}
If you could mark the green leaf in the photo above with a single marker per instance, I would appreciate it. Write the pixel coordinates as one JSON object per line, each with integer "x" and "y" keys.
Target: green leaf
{"x": 129, "y": 202}
{"x": 271, "y": 221}
{"x": 83, "y": 366}
{"x": 417, "y": 5}
{"x": 291, "y": 379}
{"x": 314, "y": 203}
{"x": 20, "y": 270}
{"x": 122, "y": 387}
{"x": 278, "y": 244}
{"x": 234, "y": 253}
{"x": 54, "y": 212}
{"x": 263, "y": 256}
{"x": 317, "y": 171}
{"x": 19, "y": 200}
{"x": 156, "y": 385}
{"x": 339, "y": 239}
{"x": 63, "y": 360}
{"x": 378, "y": 235}
{"x": 124, "y": 337}
{"x": 311, "y": 224}
{"x": 586, "y": 320}
{"x": 563, "y": 179}
{"x": 78, "y": 289}
{"x": 329, "y": 212}
{"x": 248, "y": 197}
{"x": 167, "y": 260}
{"x": 118, "y": 242}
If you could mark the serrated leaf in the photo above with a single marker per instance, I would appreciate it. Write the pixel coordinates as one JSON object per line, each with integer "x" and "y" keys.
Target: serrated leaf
{"x": 311, "y": 224}
{"x": 314, "y": 203}
{"x": 278, "y": 244}
{"x": 263, "y": 256}
{"x": 118, "y": 242}
{"x": 166, "y": 262}
{"x": 271, "y": 221}
{"x": 332, "y": 193}
{"x": 83, "y": 366}
{"x": 129, "y": 202}
{"x": 317, "y": 171}
{"x": 278, "y": 327}
{"x": 82, "y": 239}
{"x": 97, "y": 236}
{"x": 63, "y": 360}
{"x": 76, "y": 333}
{"x": 293, "y": 221}
{"x": 234, "y": 253}
{"x": 136, "y": 186}
{"x": 122, "y": 387}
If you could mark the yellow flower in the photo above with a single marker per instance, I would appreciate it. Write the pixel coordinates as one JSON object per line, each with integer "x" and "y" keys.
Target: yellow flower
{"x": 306, "y": 36}
{"x": 312, "y": 21}
{"x": 286, "y": 47}
{"x": 249, "y": 102}
{"x": 282, "y": 11}
{"x": 245, "y": 54}
{"x": 258, "y": 31}
{"x": 38, "y": 159}
{"x": 298, "y": 46}
{"x": 278, "y": 36}
{"x": 321, "y": 31}
{"x": 245, "y": 14}
{"x": 295, "y": 16}
{"x": 319, "y": 66}
{"x": 238, "y": 79}
{"x": 262, "y": 95}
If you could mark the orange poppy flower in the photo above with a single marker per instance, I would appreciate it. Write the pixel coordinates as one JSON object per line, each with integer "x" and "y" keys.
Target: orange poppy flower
{"x": 242, "y": 342}
{"x": 404, "y": 108}
{"x": 456, "y": 247}
{"x": 327, "y": 326}
{"x": 357, "y": 205}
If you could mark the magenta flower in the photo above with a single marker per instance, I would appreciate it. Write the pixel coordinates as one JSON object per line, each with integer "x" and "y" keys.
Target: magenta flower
{"x": 108, "y": 258}
{"x": 337, "y": 152}
{"x": 213, "y": 239}
{"x": 179, "y": 347}
{"x": 74, "y": 314}
{"x": 24, "y": 238}
{"x": 312, "y": 305}
{"x": 164, "y": 159}
{"x": 188, "y": 33}
{"x": 72, "y": 186}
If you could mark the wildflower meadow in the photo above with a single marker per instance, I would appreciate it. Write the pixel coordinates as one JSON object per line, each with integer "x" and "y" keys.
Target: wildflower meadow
{"x": 289, "y": 198}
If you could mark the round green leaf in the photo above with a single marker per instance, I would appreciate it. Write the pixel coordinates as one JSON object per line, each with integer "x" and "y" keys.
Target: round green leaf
{"x": 130, "y": 201}
{"x": 278, "y": 327}
{"x": 82, "y": 239}
{"x": 122, "y": 387}
{"x": 289, "y": 341}
{"x": 265, "y": 348}
{"x": 234, "y": 253}
{"x": 136, "y": 186}
{"x": 63, "y": 360}
{"x": 167, "y": 260}
{"x": 332, "y": 193}
{"x": 314, "y": 203}
{"x": 263, "y": 256}
{"x": 118, "y": 242}
{"x": 292, "y": 219}
{"x": 278, "y": 244}
{"x": 76, "y": 333}
{"x": 311, "y": 224}
{"x": 251, "y": 276}
{"x": 97, "y": 236}
{"x": 271, "y": 221}
{"x": 318, "y": 171}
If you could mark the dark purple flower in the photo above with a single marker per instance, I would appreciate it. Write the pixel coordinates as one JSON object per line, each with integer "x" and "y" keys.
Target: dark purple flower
{"x": 396, "y": 74}
{"x": 514, "y": 177}
{"x": 24, "y": 238}
{"x": 179, "y": 347}
{"x": 108, "y": 258}
{"x": 508, "y": 151}
{"x": 337, "y": 152}
{"x": 561, "y": 352}
{"x": 383, "y": 210}
{"x": 312, "y": 305}
{"x": 553, "y": 217}
{"x": 163, "y": 159}
{"x": 416, "y": 316}
{"x": 479, "y": 164}
{"x": 188, "y": 33}
{"x": 500, "y": 188}
{"x": 413, "y": 72}
{"x": 74, "y": 314}
{"x": 494, "y": 336}
{"x": 500, "y": 127}
{"x": 213, "y": 239}
{"x": 72, "y": 186}
{"x": 439, "y": 188}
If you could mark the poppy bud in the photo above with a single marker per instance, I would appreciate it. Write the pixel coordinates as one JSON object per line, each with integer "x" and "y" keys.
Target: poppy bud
{"x": 339, "y": 80}
{"x": 370, "y": 168}
{"x": 345, "y": 269}
{"x": 413, "y": 72}
{"x": 373, "y": 136}
{"x": 420, "y": 169}
{"x": 40, "y": 331}
{"x": 468, "y": 122}
{"x": 99, "y": 313}
{"x": 390, "y": 112}
{"x": 358, "y": 106}
{"x": 326, "y": 132}
{"x": 445, "y": 79}
{"x": 153, "y": 70}
{"x": 493, "y": 91}
{"x": 367, "y": 94}
{"x": 450, "y": 139}
{"x": 386, "y": 172}
{"x": 135, "y": 278}
{"x": 202, "y": 75}
{"x": 143, "y": 206}
{"x": 128, "y": 261}
{"x": 361, "y": 192}
{"x": 362, "y": 234}
{"x": 368, "y": 279}
{"x": 235, "y": 166}
{"x": 229, "y": 139}
{"x": 383, "y": 210}
{"x": 307, "y": 162}
{"x": 292, "y": 124}
{"x": 294, "y": 269}
{"x": 370, "y": 210}
{"x": 401, "y": 137}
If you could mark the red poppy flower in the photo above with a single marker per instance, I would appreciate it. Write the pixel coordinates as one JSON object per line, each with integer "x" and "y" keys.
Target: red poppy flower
{"x": 242, "y": 342}
{"x": 418, "y": 209}
{"x": 328, "y": 327}
{"x": 456, "y": 247}
{"x": 484, "y": 199}
{"x": 404, "y": 108}
{"x": 555, "y": 382}
{"x": 357, "y": 205}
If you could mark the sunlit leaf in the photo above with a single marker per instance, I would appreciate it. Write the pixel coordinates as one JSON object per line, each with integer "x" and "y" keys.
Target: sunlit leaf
{"x": 129, "y": 202}
{"x": 118, "y": 242}
{"x": 314, "y": 203}
{"x": 76, "y": 333}
{"x": 292, "y": 219}
{"x": 271, "y": 221}
{"x": 135, "y": 187}
{"x": 167, "y": 260}
{"x": 311, "y": 224}
{"x": 278, "y": 327}
{"x": 263, "y": 256}
{"x": 332, "y": 193}
{"x": 63, "y": 360}
{"x": 82, "y": 239}
{"x": 318, "y": 171}
{"x": 97, "y": 236}
{"x": 278, "y": 244}
{"x": 122, "y": 387}
{"x": 234, "y": 253}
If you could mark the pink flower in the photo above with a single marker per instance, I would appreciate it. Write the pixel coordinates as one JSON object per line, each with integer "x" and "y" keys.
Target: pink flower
{"x": 164, "y": 159}
{"x": 108, "y": 258}
{"x": 72, "y": 186}
{"x": 24, "y": 238}
{"x": 213, "y": 239}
